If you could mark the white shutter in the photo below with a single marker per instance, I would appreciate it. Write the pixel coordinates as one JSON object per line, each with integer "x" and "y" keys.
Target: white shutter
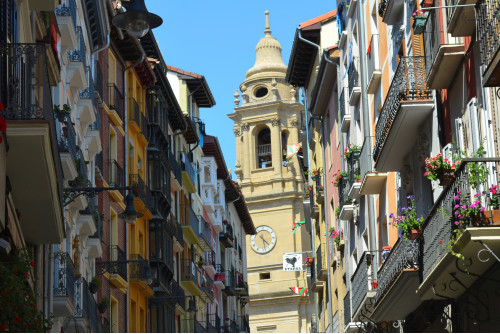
{"x": 475, "y": 135}
{"x": 447, "y": 152}
{"x": 459, "y": 132}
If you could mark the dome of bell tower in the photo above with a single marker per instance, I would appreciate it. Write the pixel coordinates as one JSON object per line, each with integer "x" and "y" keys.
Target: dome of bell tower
{"x": 268, "y": 55}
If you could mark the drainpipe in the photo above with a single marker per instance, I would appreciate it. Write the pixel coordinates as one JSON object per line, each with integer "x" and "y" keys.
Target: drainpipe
{"x": 367, "y": 130}
{"x": 299, "y": 29}
{"x": 125, "y": 105}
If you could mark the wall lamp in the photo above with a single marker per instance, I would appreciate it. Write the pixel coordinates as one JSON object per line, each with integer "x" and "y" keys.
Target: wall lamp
{"x": 137, "y": 20}
{"x": 129, "y": 215}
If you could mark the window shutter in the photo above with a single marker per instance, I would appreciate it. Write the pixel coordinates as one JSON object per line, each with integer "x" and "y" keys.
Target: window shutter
{"x": 459, "y": 132}
{"x": 475, "y": 136}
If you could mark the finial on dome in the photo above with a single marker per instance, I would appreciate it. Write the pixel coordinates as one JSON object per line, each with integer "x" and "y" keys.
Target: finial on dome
{"x": 268, "y": 30}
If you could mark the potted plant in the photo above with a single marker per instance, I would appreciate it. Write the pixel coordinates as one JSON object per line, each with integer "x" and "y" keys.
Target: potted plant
{"x": 316, "y": 172}
{"x": 337, "y": 211}
{"x": 319, "y": 187}
{"x": 307, "y": 193}
{"x": 437, "y": 168}
{"x": 408, "y": 223}
{"x": 493, "y": 215}
{"x": 103, "y": 305}
{"x": 200, "y": 263}
{"x": 61, "y": 114}
{"x": 337, "y": 236}
{"x": 94, "y": 285}
{"x": 419, "y": 20}
{"x": 338, "y": 177}
{"x": 350, "y": 149}
{"x": 309, "y": 261}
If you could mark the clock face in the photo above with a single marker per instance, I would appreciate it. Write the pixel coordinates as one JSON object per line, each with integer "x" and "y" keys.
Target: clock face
{"x": 264, "y": 240}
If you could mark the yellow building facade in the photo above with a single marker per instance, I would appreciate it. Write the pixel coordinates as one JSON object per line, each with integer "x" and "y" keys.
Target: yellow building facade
{"x": 269, "y": 119}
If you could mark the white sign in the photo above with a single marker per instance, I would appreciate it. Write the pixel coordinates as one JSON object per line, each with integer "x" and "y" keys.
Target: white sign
{"x": 292, "y": 262}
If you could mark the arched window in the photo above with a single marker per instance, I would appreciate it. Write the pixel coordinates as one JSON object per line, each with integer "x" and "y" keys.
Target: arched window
{"x": 264, "y": 156}
{"x": 284, "y": 142}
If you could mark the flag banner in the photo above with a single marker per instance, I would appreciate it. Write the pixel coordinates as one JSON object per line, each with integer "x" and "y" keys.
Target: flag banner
{"x": 297, "y": 225}
{"x": 292, "y": 262}
{"x": 292, "y": 150}
{"x": 300, "y": 291}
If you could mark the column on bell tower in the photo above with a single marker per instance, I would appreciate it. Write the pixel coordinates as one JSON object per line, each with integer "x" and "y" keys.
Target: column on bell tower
{"x": 276, "y": 145}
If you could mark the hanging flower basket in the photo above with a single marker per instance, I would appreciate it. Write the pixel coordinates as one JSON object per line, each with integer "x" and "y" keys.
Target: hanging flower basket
{"x": 493, "y": 216}
{"x": 414, "y": 234}
{"x": 447, "y": 177}
{"x": 419, "y": 24}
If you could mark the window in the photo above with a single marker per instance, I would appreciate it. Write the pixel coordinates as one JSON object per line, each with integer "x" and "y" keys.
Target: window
{"x": 284, "y": 143}
{"x": 260, "y": 92}
{"x": 264, "y": 156}
{"x": 263, "y": 276}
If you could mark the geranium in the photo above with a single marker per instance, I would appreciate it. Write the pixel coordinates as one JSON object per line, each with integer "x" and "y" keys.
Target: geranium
{"x": 338, "y": 177}
{"x": 465, "y": 211}
{"x": 349, "y": 150}
{"x": 408, "y": 220}
{"x": 494, "y": 197}
{"x": 419, "y": 13}
{"x": 436, "y": 167}
{"x": 337, "y": 236}
{"x": 319, "y": 187}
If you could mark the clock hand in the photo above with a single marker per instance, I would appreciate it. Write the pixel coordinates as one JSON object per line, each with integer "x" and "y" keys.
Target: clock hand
{"x": 262, "y": 237}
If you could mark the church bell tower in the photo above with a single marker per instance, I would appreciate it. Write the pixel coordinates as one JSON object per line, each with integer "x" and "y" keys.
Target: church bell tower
{"x": 267, "y": 119}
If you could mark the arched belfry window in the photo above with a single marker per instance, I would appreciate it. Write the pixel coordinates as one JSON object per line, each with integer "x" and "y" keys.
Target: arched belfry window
{"x": 284, "y": 142}
{"x": 264, "y": 157}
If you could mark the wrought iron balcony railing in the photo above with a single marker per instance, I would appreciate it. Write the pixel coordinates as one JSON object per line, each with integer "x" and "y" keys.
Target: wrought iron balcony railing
{"x": 115, "y": 100}
{"x": 161, "y": 243}
{"x": 347, "y": 309}
{"x": 68, "y": 9}
{"x": 187, "y": 166}
{"x": 190, "y": 271}
{"x": 99, "y": 163}
{"x": 159, "y": 175}
{"x": 404, "y": 255}
{"x": 230, "y": 283}
{"x": 366, "y": 158}
{"x": 179, "y": 234}
{"x": 116, "y": 254}
{"x": 361, "y": 281}
{"x": 135, "y": 115}
{"x": 439, "y": 227}
{"x": 67, "y": 137}
{"x": 353, "y": 75}
{"x": 342, "y": 104}
{"x": 205, "y": 236}
{"x": 115, "y": 177}
{"x": 64, "y": 276}
{"x": 488, "y": 27}
{"x": 138, "y": 269}
{"x": 408, "y": 83}
{"x": 343, "y": 188}
{"x": 320, "y": 260}
{"x": 139, "y": 189}
{"x": 157, "y": 113}
{"x": 174, "y": 165}
{"x": 79, "y": 55}
{"x": 353, "y": 168}
{"x": 86, "y": 306}
{"x": 207, "y": 286}
{"x": 177, "y": 290}
{"x": 98, "y": 82}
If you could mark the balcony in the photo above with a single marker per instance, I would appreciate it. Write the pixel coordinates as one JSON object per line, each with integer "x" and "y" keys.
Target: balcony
{"x": 363, "y": 288}
{"x": 354, "y": 176}
{"x": 138, "y": 272}
{"x": 444, "y": 275}
{"x": 443, "y": 53}
{"x": 188, "y": 175}
{"x": 398, "y": 275}
{"x": 77, "y": 64}
{"x": 391, "y": 11}
{"x": 179, "y": 235}
{"x": 34, "y": 161}
{"x": 407, "y": 105}
{"x": 241, "y": 288}
{"x": 64, "y": 285}
{"x": 115, "y": 178}
{"x": 161, "y": 254}
{"x": 230, "y": 283}
{"x": 175, "y": 168}
{"x": 219, "y": 277}
{"x": 137, "y": 120}
{"x": 115, "y": 104}
{"x": 67, "y": 148}
{"x": 85, "y": 316}
{"x": 372, "y": 182}
{"x": 461, "y": 20}
{"x": 374, "y": 69}
{"x": 347, "y": 314}
{"x": 345, "y": 116}
{"x": 177, "y": 290}
{"x": 488, "y": 27}
{"x": 159, "y": 180}
{"x": 190, "y": 277}
{"x": 226, "y": 238}
{"x": 207, "y": 288}
{"x": 157, "y": 114}
{"x": 190, "y": 224}
{"x": 85, "y": 105}
{"x": 207, "y": 241}
{"x": 209, "y": 266}
{"x": 66, "y": 16}
{"x": 118, "y": 271}
{"x": 141, "y": 192}
{"x": 345, "y": 203}
{"x": 354, "y": 82}
{"x": 321, "y": 266}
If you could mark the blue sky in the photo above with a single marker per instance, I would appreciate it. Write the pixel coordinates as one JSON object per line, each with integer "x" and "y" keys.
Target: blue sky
{"x": 217, "y": 39}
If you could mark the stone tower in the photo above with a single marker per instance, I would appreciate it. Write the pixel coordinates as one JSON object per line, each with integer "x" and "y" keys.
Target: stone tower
{"x": 268, "y": 120}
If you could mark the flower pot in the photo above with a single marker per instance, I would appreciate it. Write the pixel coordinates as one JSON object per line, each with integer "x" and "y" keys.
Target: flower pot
{"x": 102, "y": 307}
{"x": 200, "y": 265}
{"x": 446, "y": 178}
{"x": 93, "y": 288}
{"x": 419, "y": 24}
{"x": 374, "y": 285}
{"x": 310, "y": 261}
{"x": 414, "y": 234}
{"x": 493, "y": 216}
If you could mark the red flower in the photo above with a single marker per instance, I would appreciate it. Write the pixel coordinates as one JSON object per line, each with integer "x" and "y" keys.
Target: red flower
{"x": 3, "y": 124}
{"x": 32, "y": 263}
{"x": 18, "y": 318}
